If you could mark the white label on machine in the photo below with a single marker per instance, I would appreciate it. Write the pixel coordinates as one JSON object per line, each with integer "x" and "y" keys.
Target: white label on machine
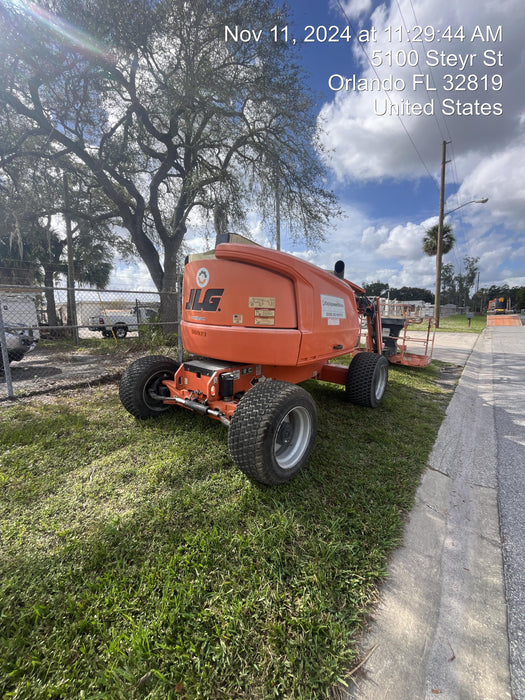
{"x": 332, "y": 307}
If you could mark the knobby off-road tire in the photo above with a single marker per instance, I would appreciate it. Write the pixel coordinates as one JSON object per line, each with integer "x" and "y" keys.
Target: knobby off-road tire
{"x": 272, "y": 431}
{"x": 142, "y": 378}
{"x": 366, "y": 379}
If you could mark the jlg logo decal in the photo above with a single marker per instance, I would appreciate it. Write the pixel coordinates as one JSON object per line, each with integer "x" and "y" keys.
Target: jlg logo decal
{"x": 210, "y": 302}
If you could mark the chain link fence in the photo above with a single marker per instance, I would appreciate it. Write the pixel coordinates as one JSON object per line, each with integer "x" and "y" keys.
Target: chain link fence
{"x": 54, "y": 337}
{"x": 418, "y": 309}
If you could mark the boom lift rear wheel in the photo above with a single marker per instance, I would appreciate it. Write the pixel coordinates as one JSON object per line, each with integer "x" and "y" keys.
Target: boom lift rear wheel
{"x": 366, "y": 379}
{"x": 142, "y": 379}
{"x": 272, "y": 431}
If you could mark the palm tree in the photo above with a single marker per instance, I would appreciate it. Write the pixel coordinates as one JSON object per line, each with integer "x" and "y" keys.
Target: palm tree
{"x": 431, "y": 236}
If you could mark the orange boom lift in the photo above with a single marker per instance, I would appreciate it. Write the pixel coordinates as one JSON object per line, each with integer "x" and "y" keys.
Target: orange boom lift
{"x": 258, "y": 322}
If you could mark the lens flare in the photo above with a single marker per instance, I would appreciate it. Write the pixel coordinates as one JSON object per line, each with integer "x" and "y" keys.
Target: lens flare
{"x": 76, "y": 37}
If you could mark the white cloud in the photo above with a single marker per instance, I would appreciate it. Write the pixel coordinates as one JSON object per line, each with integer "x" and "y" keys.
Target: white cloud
{"x": 393, "y": 253}
{"x": 370, "y": 252}
{"x": 353, "y": 9}
{"x": 403, "y": 242}
{"x": 487, "y": 153}
{"x": 133, "y": 276}
{"x": 368, "y": 146}
{"x": 502, "y": 176}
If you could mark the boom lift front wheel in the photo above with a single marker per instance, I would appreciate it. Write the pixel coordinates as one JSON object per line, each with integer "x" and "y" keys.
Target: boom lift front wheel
{"x": 272, "y": 431}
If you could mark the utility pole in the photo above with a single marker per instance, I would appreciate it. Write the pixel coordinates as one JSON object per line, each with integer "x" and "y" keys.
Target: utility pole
{"x": 439, "y": 253}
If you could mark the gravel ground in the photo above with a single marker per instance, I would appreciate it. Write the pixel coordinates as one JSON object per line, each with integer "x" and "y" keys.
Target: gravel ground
{"x": 48, "y": 371}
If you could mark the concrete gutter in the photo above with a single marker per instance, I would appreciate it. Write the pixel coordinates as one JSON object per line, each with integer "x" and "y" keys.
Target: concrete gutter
{"x": 450, "y": 622}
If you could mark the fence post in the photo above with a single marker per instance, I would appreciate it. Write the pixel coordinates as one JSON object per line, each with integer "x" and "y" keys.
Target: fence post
{"x": 137, "y": 316}
{"x": 5, "y": 358}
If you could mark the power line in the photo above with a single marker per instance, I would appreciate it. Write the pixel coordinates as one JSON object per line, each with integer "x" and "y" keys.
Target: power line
{"x": 447, "y": 136}
{"x": 441, "y": 129}
{"x": 445, "y": 123}
{"x": 354, "y": 33}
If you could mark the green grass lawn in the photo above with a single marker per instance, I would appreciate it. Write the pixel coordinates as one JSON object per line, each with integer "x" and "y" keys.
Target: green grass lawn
{"x": 459, "y": 323}
{"x": 138, "y": 562}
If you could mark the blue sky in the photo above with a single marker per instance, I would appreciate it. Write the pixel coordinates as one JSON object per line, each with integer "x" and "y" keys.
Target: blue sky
{"x": 385, "y": 167}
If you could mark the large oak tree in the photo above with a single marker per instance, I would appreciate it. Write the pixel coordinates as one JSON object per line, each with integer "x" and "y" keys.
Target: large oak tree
{"x": 172, "y": 117}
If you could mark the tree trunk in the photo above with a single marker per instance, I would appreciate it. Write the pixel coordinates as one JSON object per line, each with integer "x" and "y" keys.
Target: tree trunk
{"x": 50, "y": 296}
{"x": 171, "y": 291}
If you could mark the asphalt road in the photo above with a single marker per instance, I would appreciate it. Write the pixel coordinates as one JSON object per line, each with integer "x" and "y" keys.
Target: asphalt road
{"x": 508, "y": 349}
{"x": 451, "y": 617}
